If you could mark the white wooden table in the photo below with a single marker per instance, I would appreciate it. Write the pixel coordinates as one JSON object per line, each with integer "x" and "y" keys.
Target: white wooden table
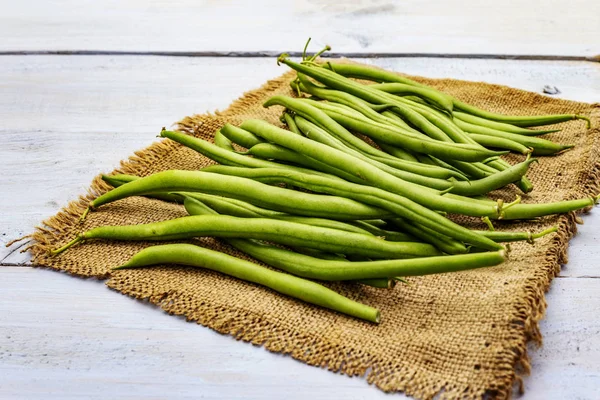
{"x": 84, "y": 84}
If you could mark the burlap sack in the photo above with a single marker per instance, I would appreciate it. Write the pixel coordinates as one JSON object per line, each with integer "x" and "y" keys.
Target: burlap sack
{"x": 461, "y": 335}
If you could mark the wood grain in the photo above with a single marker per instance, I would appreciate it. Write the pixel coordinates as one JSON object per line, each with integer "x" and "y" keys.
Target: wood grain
{"x": 551, "y": 27}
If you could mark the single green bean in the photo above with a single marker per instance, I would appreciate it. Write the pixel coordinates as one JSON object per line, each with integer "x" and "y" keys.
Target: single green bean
{"x": 330, "y": 270}
{"x": 224, "y": 207}
{"x": 499, "y": 236}
{"x": 270, "y": 197}
{"x": 303, "y": 289}
{"x": 500, "y": 126}
{"x": 431, "y": 96}
{"x": 240, "y": 136}
{"x": 121, "y": 179}
{"x": 291, "y": 124}
{"x": 278, "y": 231}
{"x": 223, "y": 142}
{"x": 273, "y": 152}
{"x": 496, "y": 142}
{"x": 534, "y": 120}
{"x": 540, "y": 146}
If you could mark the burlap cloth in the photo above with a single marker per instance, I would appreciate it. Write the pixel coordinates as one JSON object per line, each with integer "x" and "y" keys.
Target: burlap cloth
{"x": 461, "y": 335}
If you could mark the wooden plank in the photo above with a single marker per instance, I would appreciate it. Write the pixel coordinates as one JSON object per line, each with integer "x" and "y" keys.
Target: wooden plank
{"x": 58, "y": 109}
{"x": 568, "y": 364}
{"x": 140, "y": 352}
{"x": 369, "y": 26}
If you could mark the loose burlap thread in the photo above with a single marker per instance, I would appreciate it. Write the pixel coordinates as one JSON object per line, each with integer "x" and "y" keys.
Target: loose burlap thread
{"x": 459, "y": 335}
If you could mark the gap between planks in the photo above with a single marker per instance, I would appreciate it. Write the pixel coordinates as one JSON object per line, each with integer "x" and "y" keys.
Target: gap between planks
{"x": 275, "y": 53}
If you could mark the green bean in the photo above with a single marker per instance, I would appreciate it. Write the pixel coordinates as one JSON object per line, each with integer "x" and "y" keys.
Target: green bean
{"x": 228, "y": 157}
{"x": 227, "y": 206}
{"x": 442, "y": 242}
{"x": 539, "y": 146}
{"x": 500, "y": 143}
{"x": 431, "y": 96}
{"x": 291, "y": 124}
{"x": 270, "y": 197}
{"x": 121, "y": 179}
{"x": 330, "y": 270}
{"x": 499, "y": 236}
{"x": 377, "y": 75}
{"x": 394, "y": 136}
{"x": 223, "y": 142}
{"x": 240, "y": 136}
{"x": 278, "y": 231}
{"x": 397, "y": 152}
{"x": 528, "y": 211}
{"x": 535, "y": 120}
{"x": 369, "y": 73}
{"x": 224, "y": 207}
{"x": 303, "y": 289}
{"x": 499, "y": 126}
{"x": 273, "y": 152}
{"x": 399, "y": 205}
{"x": 395, "y": 117}
{"x": 375, "y": 175}
{"x": 314, "y": 132}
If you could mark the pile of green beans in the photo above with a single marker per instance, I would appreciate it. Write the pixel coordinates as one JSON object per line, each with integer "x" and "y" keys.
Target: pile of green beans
{"x": 355, "y": 190}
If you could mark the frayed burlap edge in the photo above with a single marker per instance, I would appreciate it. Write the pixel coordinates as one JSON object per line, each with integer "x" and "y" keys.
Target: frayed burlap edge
{"x": 334, "y": 357}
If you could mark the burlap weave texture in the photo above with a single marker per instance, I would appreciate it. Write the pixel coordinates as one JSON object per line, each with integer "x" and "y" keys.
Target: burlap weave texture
{"x": 462, "y": 335}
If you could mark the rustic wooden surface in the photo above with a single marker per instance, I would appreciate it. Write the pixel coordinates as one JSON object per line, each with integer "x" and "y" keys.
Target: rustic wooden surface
{"x": 65, "y": 118}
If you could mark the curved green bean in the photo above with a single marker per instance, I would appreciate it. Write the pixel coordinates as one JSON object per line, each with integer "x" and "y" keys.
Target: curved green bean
{"x": 499, "y": 236}
{"x": 330, "y": 270}
{"x": 291, "y": 124}
{"x": 240, "y": 136}
{"x": 225, "y": 207}
{"x": 121, "y": 179}
{"x": 223, "y": 142}
{"x": 499, "y": 126}
{"x": 278, "y": 231}
{"x": 496, "y": 142}
{"x": 431, "y": 96}
{"x": 303, "y": 289}
{"x": 270, "y": 197}
{"x": 270, "y": 151}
